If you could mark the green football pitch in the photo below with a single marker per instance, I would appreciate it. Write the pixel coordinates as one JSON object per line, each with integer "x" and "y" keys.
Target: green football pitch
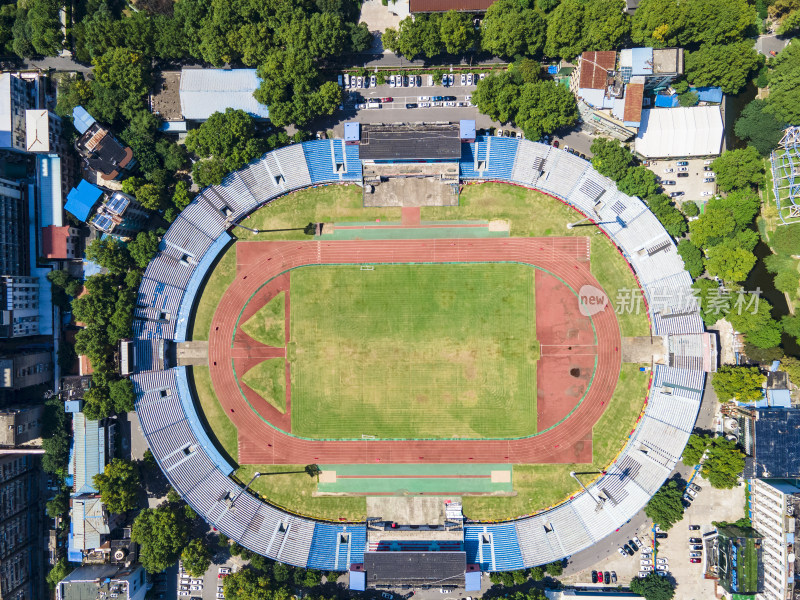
{"x": 413, "y": 351}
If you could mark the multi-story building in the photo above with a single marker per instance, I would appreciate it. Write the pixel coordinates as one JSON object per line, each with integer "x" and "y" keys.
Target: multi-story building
{"x": 658, "y": 66}
{"x": 24, "y": 369}
{"x": 13, "y": 229}
{"x": 61, "y": 243}
{"x": 20, "y": 524}
{"x": 103, "y": 582}
{"x": 774, "y": 504}
{"x": 115, "y": 213}
{"x": 19, "y": 306}
{"x": 21, "y": 425}
{"x": 101, "y": 151}
{"x": 17, "y": 95}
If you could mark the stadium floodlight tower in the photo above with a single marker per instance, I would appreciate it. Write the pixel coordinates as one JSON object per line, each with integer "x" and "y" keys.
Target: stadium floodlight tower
{"x": 600, "y": 502}
{"x": 785, "y": 164}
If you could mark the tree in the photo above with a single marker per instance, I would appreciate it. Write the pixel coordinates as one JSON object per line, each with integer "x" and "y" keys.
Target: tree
{"x": 360, "y": 37}
{"x": 784, "y": 81}
{"x": 149, "y": 196}
{"x": 761, "y": 128}
{"x": 527, "y": 69}
{"x": 456, "y": 32}
{"x": 555, "y": 568}
{"x": 246, "y": 584}
{"x": 660, "y": 23}
{"x": 565, "y": 30}
{"x": 742, "y": 383}
{"x": 121, "y": 83}
{"x": 724, "y": 464}
{"x": 690, "y": 208}
{"x": 671, "y": 218}
{"x": 638, "y": 181}
{"x": 510, "y": 29}
{"x": 181, "y": 197}
{"x": 544, "y": 107}
{"x": 695, "y": 448}
{"x": 791, "y": 325}
{"x": 229, "y": 137}
{"x": 58, "y": 505}
{"x": 59, "y": 571}
{"x": 729, "y": 262}
{"x": 606, "y": 25}
{"x": 666, "y": 506}
{"x": 712, "y": 227}
{"x": 536, "y": 573}
{"x": 736, "y": 169}
{"x": 110, "y": 254}
{"x": 791, "y": 366}
{"x": 610, "y": 158}
{"x": 196, "y": 558}
{"x": 688, "y": 99}
{"x": 44, "y": 26}
{"x": 161, "y": 534}
{"x": 653, "y": 587}
{"x": 786, "y": 240}
{"x": 718, "y": 22}
{"x": 728, "y": 67}
{"x": 118, "y": 485}
{"x": 122, "y": 395}
{"x": 143, "y": 248}
{"x": 497, "y": 96}
{"x": 743, "y": 205}
{"x": 692, "y": 258}
{"x": 757, "y": 324}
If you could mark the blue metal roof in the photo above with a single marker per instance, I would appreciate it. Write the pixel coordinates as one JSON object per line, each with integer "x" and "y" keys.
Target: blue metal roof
{"x": 82, "y": 199}
{"x": 472, "y": 581}
{"x": 89, "y": 452}
{"x": 358, "y": 581}
{"x": 552, "y": 69}
{"x": 709, "y": 94}
{"x": 663, "y": 101}
{"x": 642, "y": 59}
{"x": 352, "y": 132}
{"x": 467, "y": 129}
{"x": 48, "y": 182}
{"x": 82, "y": 119}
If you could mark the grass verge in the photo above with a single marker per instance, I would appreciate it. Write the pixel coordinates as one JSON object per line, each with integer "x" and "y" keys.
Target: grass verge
{"x": 293, "y": 491}
{"x": 222, "y": 429}
{"x": 268, "y": 325}
{"x": 268, "y": 380}
{"x": 221, "y": 277}
{"x": 540, "y": 486}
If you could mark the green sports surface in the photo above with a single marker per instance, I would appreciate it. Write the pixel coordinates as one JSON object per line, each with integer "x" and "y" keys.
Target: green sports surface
{"x": 413, "y": 351}
{"x": 391, "y": 479}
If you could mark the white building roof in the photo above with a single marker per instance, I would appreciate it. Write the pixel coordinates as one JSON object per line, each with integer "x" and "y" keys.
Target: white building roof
{"x": 680, "y": 132}
{"x": 5, "y": 111}
{"x": 206, "y": 91}
{"x": 37, "y": 130}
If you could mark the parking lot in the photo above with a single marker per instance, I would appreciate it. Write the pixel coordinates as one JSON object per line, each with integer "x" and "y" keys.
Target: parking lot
{"x": 688, "y": 178}
{"x": 210, "y": 585}
{"x": 709, "y": 505}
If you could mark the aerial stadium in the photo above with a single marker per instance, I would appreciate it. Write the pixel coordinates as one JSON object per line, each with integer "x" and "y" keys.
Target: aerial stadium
{"x": 486, "y": 352}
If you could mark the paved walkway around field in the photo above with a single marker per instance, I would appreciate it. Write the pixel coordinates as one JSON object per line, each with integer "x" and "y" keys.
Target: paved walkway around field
{"x": 262, "y": 441}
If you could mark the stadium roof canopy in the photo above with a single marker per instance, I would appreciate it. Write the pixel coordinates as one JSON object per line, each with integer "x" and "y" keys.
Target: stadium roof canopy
{"x": 415, "y": 568}
{"x": 680, "y": 132}
{"x": 206, "y": 91}
{"x": 410, "y": 142}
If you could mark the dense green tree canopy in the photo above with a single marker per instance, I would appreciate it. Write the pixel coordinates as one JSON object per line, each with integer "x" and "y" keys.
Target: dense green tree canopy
{"x": 509, "y": 28}
{"x": 784, "y": 84}
{"x": 666, "y": 507}
{"x": 545, "y": 107}
{"x": 694, "y": 450}
{"x": 786, "y": 240}
{"x": 653, "y": 587}
{"x": 741, "y": 383}
{"x": 738, "y": 169}
{"x": 118, "y": 485}
{"x": 162, "y": 534}
{"x": 143, "y": 248}
{"x": 692, "y": 258}
{"x": 565, "y": 30}
{"x": 727, "y": 66}
{"x": 110, "y": 254}
{"x": 605, "y": 25}
{"x": 610, "y": 158}
{"x": 724, "y": 463}
{"x": 729, "y": 261}
{"x": 456, "y": 32}
{"x": 638, "y": 181}
{"x": 659, "y": 23}
{"x": 665, "y": 211}
{"x": 196, "y": 558}
{"x": 760, "y": 127}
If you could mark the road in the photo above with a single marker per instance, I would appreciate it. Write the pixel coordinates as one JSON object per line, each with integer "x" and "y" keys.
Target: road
{"x": 640, "y": 523}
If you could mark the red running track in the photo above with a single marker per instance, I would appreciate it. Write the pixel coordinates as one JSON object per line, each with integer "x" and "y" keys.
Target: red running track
{"x": 260, "y": 443}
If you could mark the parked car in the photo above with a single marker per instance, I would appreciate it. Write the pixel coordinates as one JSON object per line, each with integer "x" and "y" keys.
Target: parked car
{"x": 520, "y": 135}
{"x": 691, "y": 492}
{"x": 373, "y": 105}
{"x": 405, "y": 80}
{"x": 613, "y": 577}
{"x": 683, "y": 174}
{"x": 695, "y": 541}
{"x": 594, "y": 576}
{"x": 706, "y": 168}
{"x": 683, "y": 169}
{"x": 423, "y": 98}
{"x": 197, "y": 588}
{"x": 662, "y": 535}
{"x": 683, "y": 163}
{"x": 708, "y": 162}
{"x": 645, "y": 568}
{"x": 449, "y": 98}
{"x": 662, "y": 568}
{"x": 696, "y": 488}
{"x": 499, "y": 133}
{"x": 645, "y": 562}
{"x": 695, "y": 555}
{"x": 694, "y": 560}
{"x": 412, "y": 81}
{"x": 600, "y": 577}
{"x": 437, "y": 98}
{"x": 621, "y": 550}
{"x": 697, "y": 547}
{"x": 411, "y": 105}
{"x": 672, "y": 195}
{"x": 419, "y": 80}
{"x": 670, "y": 170}
{"x": 483, "y": 75}
{"x": 373, "y": 100}
{"x": 555, "y": 143}
{"x": 694, "y": 527}
{"x": 463, "y": 79}
{"x": 373, "y": 81}
{"x": 628, "y": 549}
{"x": 709, "y": 180}
{"x": 387, "y": 99}
{"x": 706, "y": 193}
{"x": 197, "y": 581}
{"x": 668, "y": 182}
{"x": 662, "y": 561}
{"x": 430, "y": 80}
{"x": 638, "y": 542}
{"x": 449, "y": 103}
{"x": 391, "y": 81}
{"x": 387, "y": 595}
{"x": 642, "y": 574}
{"x": 607, "y": 577}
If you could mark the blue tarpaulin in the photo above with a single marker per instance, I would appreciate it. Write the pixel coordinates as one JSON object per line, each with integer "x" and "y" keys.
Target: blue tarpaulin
{"x": 709, "y": 94}
{"x": 472, "y": 581}
{"x": 358, "y": 581}
{"x": 666, "y": 101}
{"x": 552, "y": 69}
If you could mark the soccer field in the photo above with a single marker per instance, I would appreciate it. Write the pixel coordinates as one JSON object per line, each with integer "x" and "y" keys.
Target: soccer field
{"x": 413, "y": 351}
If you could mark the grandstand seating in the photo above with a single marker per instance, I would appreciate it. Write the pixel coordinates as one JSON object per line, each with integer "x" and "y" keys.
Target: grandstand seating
{"x": 201, "y": 474}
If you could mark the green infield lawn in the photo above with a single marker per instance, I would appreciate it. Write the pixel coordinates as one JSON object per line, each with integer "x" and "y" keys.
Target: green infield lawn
{"x": 211, "y": 293}
{"x": 222, "y": 430}
{"x": 268, "y": 325}
{"x": 268, "y": 380}
{"x": 413, "y": 351}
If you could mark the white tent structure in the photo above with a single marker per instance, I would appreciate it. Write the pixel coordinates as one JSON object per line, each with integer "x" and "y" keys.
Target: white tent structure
{"x": 680, "y": 132}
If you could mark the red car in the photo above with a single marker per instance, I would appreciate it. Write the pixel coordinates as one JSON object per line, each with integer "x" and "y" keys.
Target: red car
{"x": 600, "y": 576}
{"x": 389, "y": 99}
{"x": 694, "y": 560}
{"x": 555, "y": 143}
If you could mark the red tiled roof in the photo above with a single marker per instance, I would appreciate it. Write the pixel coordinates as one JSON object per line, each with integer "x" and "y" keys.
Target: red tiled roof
{"x": 634, "y": 93}
{"x": 54, "y": 241}
{"x": 445, "y": 5}
{"x": 595, "y": 67}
